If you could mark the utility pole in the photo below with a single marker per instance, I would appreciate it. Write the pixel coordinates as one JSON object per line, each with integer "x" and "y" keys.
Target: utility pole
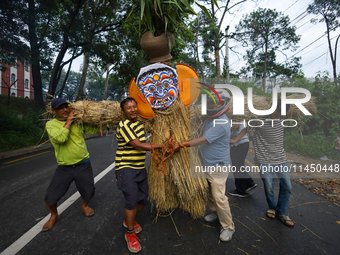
{"x": 227, "y": 76}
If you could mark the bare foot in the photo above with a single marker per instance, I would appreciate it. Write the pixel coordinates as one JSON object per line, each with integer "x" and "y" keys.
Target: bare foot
{"x": 87, "y": 211}
{"x": 50, "y": 223}
{"x": 271, "y": 215}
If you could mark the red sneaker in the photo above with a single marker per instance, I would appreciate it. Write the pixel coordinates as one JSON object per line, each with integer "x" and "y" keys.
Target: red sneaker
{"x": 136, "y": 226}
{"x": 133, "y": 242}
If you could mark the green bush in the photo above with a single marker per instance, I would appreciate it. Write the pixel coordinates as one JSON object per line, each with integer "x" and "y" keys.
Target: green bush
{"x": 17, "y": 133}
{"x": 315, "y": 145}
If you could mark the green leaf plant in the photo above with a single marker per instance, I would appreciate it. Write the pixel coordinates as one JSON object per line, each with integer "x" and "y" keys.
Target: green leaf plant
{"x": 162, "y": 16}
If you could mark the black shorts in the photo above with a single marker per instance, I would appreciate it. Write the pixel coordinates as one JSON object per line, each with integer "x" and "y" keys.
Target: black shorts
{"x": 81, "y": 174}
{"x": 134, "y": 185}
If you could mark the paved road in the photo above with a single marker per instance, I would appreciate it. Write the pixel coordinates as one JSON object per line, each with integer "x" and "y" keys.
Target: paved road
{"x": 23, "y": 184}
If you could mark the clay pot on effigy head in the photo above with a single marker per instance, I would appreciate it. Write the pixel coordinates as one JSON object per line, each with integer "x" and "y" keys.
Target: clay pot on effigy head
{"x": 157, "y": 48}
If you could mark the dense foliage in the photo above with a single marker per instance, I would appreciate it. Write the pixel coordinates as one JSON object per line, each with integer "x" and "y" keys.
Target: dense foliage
{"x": 17, "y": 131}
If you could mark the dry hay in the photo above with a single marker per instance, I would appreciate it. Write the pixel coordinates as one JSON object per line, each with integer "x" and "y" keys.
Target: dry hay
{"x": 96, "y": 113}
{"x": 265, "y": 103}
{"x": 179, "y": 188}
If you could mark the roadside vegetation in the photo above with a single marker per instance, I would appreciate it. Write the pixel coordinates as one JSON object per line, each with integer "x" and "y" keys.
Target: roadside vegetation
{"x": 20, "y": 124}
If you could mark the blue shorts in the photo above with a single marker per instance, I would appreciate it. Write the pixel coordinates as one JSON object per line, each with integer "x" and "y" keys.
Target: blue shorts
{"x": 134, "y": 185}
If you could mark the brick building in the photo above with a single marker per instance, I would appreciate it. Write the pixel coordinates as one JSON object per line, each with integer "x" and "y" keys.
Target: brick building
{"x": 17, "y": 78}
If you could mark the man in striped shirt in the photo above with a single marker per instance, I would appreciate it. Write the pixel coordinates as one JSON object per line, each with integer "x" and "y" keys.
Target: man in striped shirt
{"x": 271, "y": 157}
{"x": 131, "y": 174}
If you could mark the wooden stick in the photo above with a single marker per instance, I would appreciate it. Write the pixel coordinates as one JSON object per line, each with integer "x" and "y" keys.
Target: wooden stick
{"x": 174, "y": 225}
{"x": 312, "y": 232}
{"x": 262, "y": 230}
{"x": 243, "y": 251}
{"x": 247, "y": 227}
{"x": 317, "y": 202}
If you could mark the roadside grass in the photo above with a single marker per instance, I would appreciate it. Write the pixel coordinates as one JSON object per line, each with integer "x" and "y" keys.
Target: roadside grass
{"x": 313, "y": 145}
{"x": 20, "y": 124}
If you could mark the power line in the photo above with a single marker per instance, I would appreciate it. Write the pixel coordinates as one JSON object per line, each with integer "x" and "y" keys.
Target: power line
{"x": 304, "y": 48}
{"x": 301, "y": 9}
{"x": 236, "y": 13}
{"x": 301, "y": 17}
{"x": 290, "y": 6}
{"x": 314, "y": 59}
{"x": 308, "y": 21}
{"x": 318, "y": 57}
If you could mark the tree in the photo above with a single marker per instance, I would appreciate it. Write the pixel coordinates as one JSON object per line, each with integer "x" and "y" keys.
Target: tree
{"x": 28, "y": 21}
{"x": 68, "y": 84}
{"x": 266, "y": 32}
{"x": 38, "y": 15}
{"x": 211, "y": 30}
{"x": 330, "y": 12}
{"x": 13, "y": 31}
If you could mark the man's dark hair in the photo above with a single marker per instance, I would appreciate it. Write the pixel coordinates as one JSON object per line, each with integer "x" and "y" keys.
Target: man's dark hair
{"x": 126, "y": 100}
{"x": 278, "y": 107}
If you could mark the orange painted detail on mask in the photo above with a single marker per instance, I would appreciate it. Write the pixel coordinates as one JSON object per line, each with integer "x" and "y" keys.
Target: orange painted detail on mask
{"x": 144, "y": 108}
{"x": 188, "y": 80}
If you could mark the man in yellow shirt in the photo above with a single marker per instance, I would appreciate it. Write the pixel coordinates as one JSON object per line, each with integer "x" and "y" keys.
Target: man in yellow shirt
{"x": 68, "y": 140}
{"x": 131, "y": 174}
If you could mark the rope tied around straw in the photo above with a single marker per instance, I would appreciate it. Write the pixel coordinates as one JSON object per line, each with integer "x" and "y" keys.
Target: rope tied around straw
{"x": 167, "y": 152}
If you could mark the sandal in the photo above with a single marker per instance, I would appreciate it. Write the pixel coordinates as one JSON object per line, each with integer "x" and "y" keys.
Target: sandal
{"x": 271, "y": 211}
{"x": 284, "y": 220}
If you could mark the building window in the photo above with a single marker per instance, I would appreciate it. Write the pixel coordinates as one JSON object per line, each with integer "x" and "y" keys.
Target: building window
{"x": 12, "y": 78}
{"x": 13, "y": 94}
{"x": 26, "y": 65}
{"x": 26, "y": 84}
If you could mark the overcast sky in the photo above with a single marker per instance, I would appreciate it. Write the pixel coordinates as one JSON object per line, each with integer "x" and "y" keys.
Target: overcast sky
{"x": 313, "y": 51}
{"x": 314, "y": 55}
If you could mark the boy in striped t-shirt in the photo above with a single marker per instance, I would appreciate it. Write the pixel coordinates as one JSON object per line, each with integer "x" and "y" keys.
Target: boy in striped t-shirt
{"x": 131, "y": 174}
{"x": 271, "y": 157}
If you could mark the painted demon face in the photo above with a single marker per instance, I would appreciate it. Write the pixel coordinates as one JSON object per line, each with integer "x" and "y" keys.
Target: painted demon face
{"x": 158, "y": 83}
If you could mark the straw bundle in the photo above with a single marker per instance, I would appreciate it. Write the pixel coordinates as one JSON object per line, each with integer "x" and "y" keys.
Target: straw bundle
{"x": 179, "y": 188}
{"x": 96, "y": 113}
{"x": 265, "y": 103}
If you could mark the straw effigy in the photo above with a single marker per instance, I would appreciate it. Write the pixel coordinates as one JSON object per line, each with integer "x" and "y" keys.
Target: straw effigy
{"x": 180, "y": 188}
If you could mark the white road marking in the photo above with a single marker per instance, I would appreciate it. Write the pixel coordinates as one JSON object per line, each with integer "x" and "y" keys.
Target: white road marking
{"x": 30, "y": 234}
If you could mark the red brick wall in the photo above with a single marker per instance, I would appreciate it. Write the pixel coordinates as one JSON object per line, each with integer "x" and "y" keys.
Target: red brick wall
{"x": 21, "y": 79}
{"x": 5, "y": 78}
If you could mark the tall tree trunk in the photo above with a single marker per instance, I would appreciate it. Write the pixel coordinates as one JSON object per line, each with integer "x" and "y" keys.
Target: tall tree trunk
{"x": 56, "y": 68}
{"x": 218, "y": 62}
{"x": 35, "y": 55}
{"x": 65, "y": 80}
{"x": 106, "y": 81}
{"x": 335, "y": 56}
{"x": 198, "y": 58}
{"x": 216, "y": 44}
{"x": 57, "y": 65}
{"x": 330, "y": 50}
{"x": 265, "y": 68}
{"x": 81, "y": 91}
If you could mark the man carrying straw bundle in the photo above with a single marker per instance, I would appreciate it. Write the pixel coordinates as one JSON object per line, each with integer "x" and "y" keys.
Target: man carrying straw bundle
{"x": 73, "y": 160}
{"x": 271, "y": 157}
{"x": 131, "y": 176}
{"x": 215, "y": 153}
